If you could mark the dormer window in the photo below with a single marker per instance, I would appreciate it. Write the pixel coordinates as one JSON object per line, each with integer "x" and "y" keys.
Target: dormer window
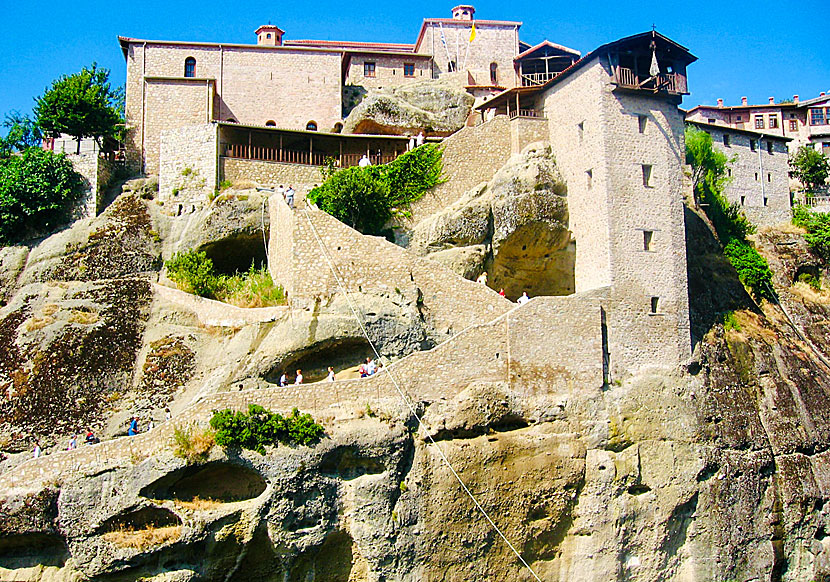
{"x": 190, "y": 67}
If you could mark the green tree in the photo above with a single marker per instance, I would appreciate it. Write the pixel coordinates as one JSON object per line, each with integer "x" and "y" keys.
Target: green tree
{"x": 810, "y": 167}
{"x": 23, "y": 133}
{"x": 37, "y": 189}
{"x": 709, "y": 166}
{"x": 81, "y": 105}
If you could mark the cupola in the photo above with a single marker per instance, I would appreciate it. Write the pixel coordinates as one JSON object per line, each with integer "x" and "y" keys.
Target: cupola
{"x": 463, "y": 12}
{"x": 269, "y": 35}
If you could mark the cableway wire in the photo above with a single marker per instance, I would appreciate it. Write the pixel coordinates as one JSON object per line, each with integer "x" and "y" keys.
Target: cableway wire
{"x": 408, "y": 402}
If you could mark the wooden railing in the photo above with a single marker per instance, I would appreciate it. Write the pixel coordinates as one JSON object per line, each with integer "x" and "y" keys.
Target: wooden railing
{"x": 526, "y": 113}
{"x": 267, "y": 154}
{"x": 669, "y": 82}
{"x": 533, "y": 79}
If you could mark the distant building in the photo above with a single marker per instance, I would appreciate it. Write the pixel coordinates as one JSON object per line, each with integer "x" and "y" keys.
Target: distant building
{"x": 759, "y": 179}
{"x": 805, "y": 122}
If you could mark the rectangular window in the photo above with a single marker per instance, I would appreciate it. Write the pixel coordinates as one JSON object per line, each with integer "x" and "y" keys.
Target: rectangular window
{"x": 589, "y": 179}
{"x": 793, "y": 125}
{"x": 769, "y": 179}
{"x": 759, "y": 122}
{"x": 739, "y": 118}
{"x": 581, "y": 130}
{"x": 756, "y": 176}
{"x": 817, "y": 117}
{"x": 773, "y": 121}
{"x": 655, "y": 304}
{"x": 729, "y": 172}
{"x": 743, "y": 200}
{"x": 753, "y": 145}
{"x": 409, "y": 69}
{"x": 368, "y": 69}
{"x": 765, "y": 200}
{"x": 642, "y": 119}
{"x": 647, "y": 175}
{"x": 711, "y": 121}
{"x": 769, "y": 147}
{"x": 725, "y": 140}
{"x": 648, "y": 236}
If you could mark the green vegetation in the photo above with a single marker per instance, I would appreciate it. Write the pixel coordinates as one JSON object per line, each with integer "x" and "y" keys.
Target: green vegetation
{"x": 261, "y": 427}
{"x": 81, "y": 105}
{"x": 817, "y": 225}
{"x": 37, "y": 189}
{"x": 730, "y": 321}
{"x": 23, "y": 133}
{"x": 192, "y": 445}
{"x": 810, "y": 167}
{"x": 811, "y": 280}
{"x": 193, "y": 272}
{"x": 709, "y": 179}
{"x": 366, "y": 198}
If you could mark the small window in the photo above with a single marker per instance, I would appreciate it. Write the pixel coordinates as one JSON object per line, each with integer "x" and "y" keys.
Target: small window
{"x": 581, "y": 130}
{"x": 648, "y": 236}
{"x": 589, "y": 179}
{"x": 743, "y": 200}
{"x": 642, "y": 120}
{"x": 231, "y": 120}
{"x": 368, "y": 69}
{"x": 711, "y": 121}
{"x": 268, "y": 35}
{"x": 647, "y": 175}
{"x": 270, "y": 123}
{"x": 753, "y": 145}
{"x": 769, "y": 179}
{"x": 769, "y": 147}
{"x": 729, "y": 172}
{"x": 725, "y": 140}
{"x": 765, "y": 200}
{"x": 311, "y": 126}
{"x": 409, "y": 69}
{"x": 773, "y": 121}
{"x": 793, "y": 125}
{"x": 655, "y": 304}
{"x": 759, "y": 122}
{"x": 756, "y": 176}
{"x": 338, "y": 127}
{"x": 494, "y": 74}
{"x": 739, "y": 118}
{"x": 190, "y": 67}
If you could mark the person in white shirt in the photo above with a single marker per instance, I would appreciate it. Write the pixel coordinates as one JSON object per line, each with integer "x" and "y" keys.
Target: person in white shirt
{"x": 364, "y": 161}
{"x": 289, "y": 196}
{"x": 330, "y": 377}
{"x": 299, "y": 378}
{"x": 280, "y": 191}
{"x": 371, "y": 367}
{"x": 523, "y": 299}
{"x": 419, "y": 141}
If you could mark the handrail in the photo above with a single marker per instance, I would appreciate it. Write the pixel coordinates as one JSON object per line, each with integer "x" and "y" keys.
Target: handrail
{"x": 268, "y": 154}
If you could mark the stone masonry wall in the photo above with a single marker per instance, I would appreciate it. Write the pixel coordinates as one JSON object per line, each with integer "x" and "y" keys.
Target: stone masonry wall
{"x": 388, "y": 71}
{"x": 759, "y": 179}
{"x": 471, "y": 156}
{"x": 527, "y": 130}
{"x": 187, "y": 170}
{"x": 97, "y": 172}
{"x": 270, "y": 174}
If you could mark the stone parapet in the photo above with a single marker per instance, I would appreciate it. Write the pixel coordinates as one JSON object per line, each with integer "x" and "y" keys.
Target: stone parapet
{"x": 188, "y": 166}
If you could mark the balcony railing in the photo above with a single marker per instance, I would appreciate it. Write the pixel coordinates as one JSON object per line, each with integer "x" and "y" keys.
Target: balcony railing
{"x": 534, "y": 79}
{"x": 527, "y": 113}
{"x": 267, "y": 154}
{"x": 673, "y": 83}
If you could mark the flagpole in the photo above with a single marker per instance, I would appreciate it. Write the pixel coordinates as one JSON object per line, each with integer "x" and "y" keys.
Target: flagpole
{"x": 444, "y": 42}
{"x": 469, "y": 42}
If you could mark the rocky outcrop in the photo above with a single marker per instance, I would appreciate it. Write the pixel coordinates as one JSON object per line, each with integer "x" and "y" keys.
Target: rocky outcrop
{"x": 434, "y": 107}
{"x": 515, "y": 227}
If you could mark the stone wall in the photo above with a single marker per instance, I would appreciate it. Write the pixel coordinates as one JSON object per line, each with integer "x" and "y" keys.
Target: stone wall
{"x": 270, "y": 174}
{"x": 97, "y": 172}
{"x": 471, "y": 156}
{"x": 760, "y": 178}
{"x": 388, "y": 70}
{"x": 187, "y": 170}
{"x": 527, "y": 130}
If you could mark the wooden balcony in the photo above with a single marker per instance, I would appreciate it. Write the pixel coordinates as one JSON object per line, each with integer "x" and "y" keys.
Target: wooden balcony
{"x": 532, "y": 113}
{"x": 671, "y": 83}
{"x": 535, "y": 79}
{"x": 306, "y": 158}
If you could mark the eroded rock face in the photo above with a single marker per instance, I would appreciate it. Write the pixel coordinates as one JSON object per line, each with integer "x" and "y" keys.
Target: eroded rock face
{"x": 434, "y": 107}
{"x": 515, "y": 227}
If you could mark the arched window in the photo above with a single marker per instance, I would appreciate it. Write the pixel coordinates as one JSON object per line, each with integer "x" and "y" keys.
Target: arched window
{"x": 268, "y": 35}
{"x": 232, "y": 120}
{"x": 311, "y": 126}
{"x": 190, "y": 67}
{"x": 494, "y": 73}
{"x": 338, "y": 127}
{"x": 270, "y": 123}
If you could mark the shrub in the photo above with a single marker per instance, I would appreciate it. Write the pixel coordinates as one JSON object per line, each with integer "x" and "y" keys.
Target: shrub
{"x": 810, "y": 280}
{"x": 37, "y": 191}
{"x": 261, "y": 427}
{"x": 810, "y": 167}
{"x": 254, "y": 288}
{"x": 730, "y": 321}
{"x": 817, "y": 225}
{"x": 366, "y": 198}
{"x": 753, "y": 270}
{"x": 193, "y": 271}
{"x": 191, "y": 445}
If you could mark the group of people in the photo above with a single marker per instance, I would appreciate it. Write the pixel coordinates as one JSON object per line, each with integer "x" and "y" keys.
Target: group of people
{"x": 298, "y": 378}
{"x": 369, "y": 368}
{"x": 287, "y": 194}
{"x": 521, "y": 300}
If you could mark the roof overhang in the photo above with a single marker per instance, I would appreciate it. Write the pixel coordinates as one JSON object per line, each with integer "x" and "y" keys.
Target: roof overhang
{"x": 727, "y": 128}
{"x": 546, "y": 43}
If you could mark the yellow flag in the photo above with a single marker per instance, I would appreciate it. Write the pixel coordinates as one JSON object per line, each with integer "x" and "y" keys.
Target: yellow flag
{"x": 473, "y": 33}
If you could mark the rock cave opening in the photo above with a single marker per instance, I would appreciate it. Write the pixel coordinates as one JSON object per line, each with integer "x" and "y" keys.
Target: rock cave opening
{"x": 32, "y": 550}
{"x": 347, "y": 463}
{"x": 334, "y": 561}
{"x": 344, "y": 355}
{"x": 222, "y": 482}
{"x": 141, "y": 519}
{"x": 237, "y": 253}
{"x": 535, "y": 259}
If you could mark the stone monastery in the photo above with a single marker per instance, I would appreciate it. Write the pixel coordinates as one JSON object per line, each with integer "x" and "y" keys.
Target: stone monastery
{"x": 201, "y": 113}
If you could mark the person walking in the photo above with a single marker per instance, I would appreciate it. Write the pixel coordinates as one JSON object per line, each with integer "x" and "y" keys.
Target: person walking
{"x": 364, "y": 161}
{"x": 167, "y": 414}
{"x": 299, "y": 378}
{"x": 279, "y": 190}
{"x": 133, "y": 430}
{"x": 523, "y": 299}
{"x": 330, "y": 377}
{"x": 289, "y": 196}
{"x": 73, "y": 443}
{"x": 419, "y": 141}
{"x": 283, "y": 380}
{"x": 482, "y": 278}
{"x": 37, "y": 452}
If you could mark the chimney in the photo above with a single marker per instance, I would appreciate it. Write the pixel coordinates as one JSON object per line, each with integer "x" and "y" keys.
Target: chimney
{"x": 720, "y": 102}
{"x": 821, "y": 94}
{"x": 795, "y": 99}
{"x": 743, "y": 100}
{"x": 269, "y": 35}
{"x": 772, "y": 100}
{"x": 463, "y": 12}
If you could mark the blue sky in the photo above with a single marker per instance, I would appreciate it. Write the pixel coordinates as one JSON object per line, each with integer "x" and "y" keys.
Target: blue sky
{"x": 760, "y": 50}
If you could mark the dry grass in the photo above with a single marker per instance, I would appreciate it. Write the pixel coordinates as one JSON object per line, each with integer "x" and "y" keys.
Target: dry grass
{"x": 752, "y": 325}
{"x": 39, "y": 323}
{"x": 807, "y": 293}
{"x": 49, "y": 309}
{"x": 142, "y": 539}
{"x": 199, "y": 504}
{"x": 784, "y": 228}
{"x": 191, "y": 444}
{"x": 83, "y": 317}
